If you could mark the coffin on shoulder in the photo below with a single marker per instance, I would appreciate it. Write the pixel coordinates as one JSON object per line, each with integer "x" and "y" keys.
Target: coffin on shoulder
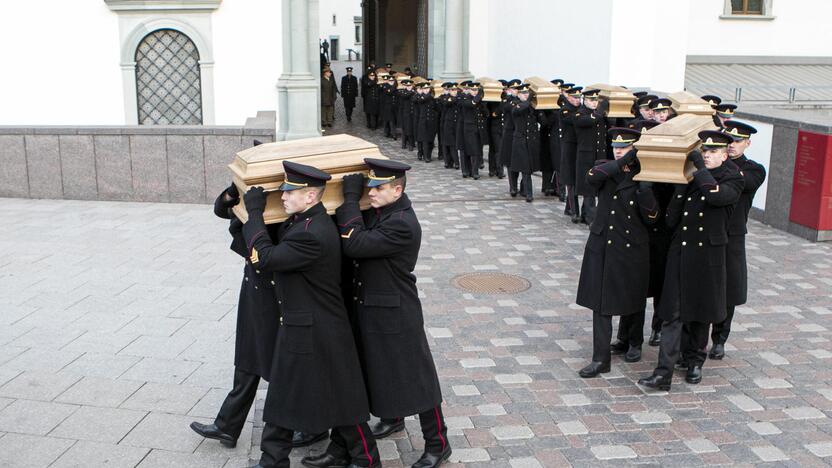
{"x": 262, "y": 165}
{"x": 663, "y": 150}
{"x": 544, "y": 94}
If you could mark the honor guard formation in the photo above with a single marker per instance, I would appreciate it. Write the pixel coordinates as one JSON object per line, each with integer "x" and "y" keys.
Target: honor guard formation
{"x": 337, "y": 351}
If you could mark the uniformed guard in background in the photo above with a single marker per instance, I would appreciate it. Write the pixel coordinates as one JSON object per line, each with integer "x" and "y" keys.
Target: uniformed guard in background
{"x": 695, "y": 277}
{"x": 591, "y": 131}
{"x": 506, "y": 105}
{"x": 384, "y": 244}
{"x": 753, "y": 173}
{"x": 525, "y": 143}
{"x": 372, "y": 101}
{"x": 425, "y": 121}
{"x": 615, "y": 270}
{"x": 470, "y": 129}
{"x": 662, "y": 110}
{"x": 448, "y": 123}
{"x": 405, "y": 107}
{"x": 387, "y": 110}
{"x": 724, "y": 112}
{"x": 329, "y": 92}
{"x": 349, "y": 91}
{"x": 645, "y": 114}
{"x": 316, "y": 375}
{"x": 569, "y": 149}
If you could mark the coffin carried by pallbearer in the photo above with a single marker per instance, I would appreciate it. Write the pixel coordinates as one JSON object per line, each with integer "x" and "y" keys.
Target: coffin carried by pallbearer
{"x": 492, "y": 89}
{"x": 262, "y": 165}
{"x": 684, "y": 102}
{"x": 544, "y": 94}
{"x": 620, "y": 100}
{"x": 663, "y": 150}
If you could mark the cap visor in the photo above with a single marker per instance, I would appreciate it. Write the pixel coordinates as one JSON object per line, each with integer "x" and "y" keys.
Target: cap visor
{"x": 288, "y": 188}
{"x": 375, "y": 183}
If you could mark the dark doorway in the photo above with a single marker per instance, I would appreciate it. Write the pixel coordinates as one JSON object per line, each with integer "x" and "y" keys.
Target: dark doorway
{"x": 396, "y": 31}
{"x": 333, "y": 49}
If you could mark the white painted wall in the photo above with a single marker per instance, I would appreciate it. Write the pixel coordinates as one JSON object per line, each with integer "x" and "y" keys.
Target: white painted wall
{"x": 800, "y": 28}
{"x": 60, "y": 64}
{"x": 248, "y": 54}
{"x": 760, "y": 151}
{"x": 345, "y": 11}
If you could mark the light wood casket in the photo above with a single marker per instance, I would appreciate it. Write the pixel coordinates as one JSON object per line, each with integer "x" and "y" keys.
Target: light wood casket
{"x": 620, "y": 99}
{"x": 262, "y": 165}
{"x": 436, "y": 88}
{"x": 684, "y": 102}
{"x": 492, "y": 89}
{"x": 663, "y": 150}
{"x": 544, "y": 94}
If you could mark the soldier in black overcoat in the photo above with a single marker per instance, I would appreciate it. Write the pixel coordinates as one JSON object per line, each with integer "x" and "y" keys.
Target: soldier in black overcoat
{"x": 372, "y": 101}
{"x": 387, "y": 109}
{"x": 616, "y": 266}
{"x": 495, "y": 134}
{"x": 383, "y": 244}
{"x": 405, "y": 107}
{"x": 591, "y": 130}
{"x": 470, "y": 129}
{"x": 553, "y": 118}
{"x": 753, "y": 173}
{"x": 695, "y": 277}
{"x": 509, "y": 100}
{"x": 349, "y": 91}
{"x": 425, "y": 121}
{"x": 643, "y": 112}
{"x": 448, "y": 123}
{"x": 569, "y": 149}
{"x": 525, "y": 143}
{"x": 317, "y": 382}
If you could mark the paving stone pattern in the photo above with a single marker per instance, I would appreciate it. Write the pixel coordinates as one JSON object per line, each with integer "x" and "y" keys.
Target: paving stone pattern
{"x": 117, "y": 330}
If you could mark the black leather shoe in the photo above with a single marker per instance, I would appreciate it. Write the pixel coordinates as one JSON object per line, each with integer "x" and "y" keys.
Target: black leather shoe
{"x": 325, "y": 460}
{"x": 633, "y": 354}
{"x": 576, "y": 219}
{"x": 432, "y": 460}
{"x": 375, "y": 464}
{"x": 618, "y": 347}
{"x": 476, "y": 177}
{"x": 513, "y": 193}
{"x": 529, "y": 199}
{"x": 694, "y": 375}
{"x": 594, "y": 368}
{"x": 681, "y": 364}
{"x": 655, "y": 338}
{"x": 211, "y": 431}
{"x": 655, "y": 382}
{"x": 302, "y": 439}
{"x": 383, "y": 429}
{"x": 717, "y": 352}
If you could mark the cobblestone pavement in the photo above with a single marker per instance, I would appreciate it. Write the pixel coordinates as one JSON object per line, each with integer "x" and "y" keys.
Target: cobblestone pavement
{"x": 117, "y": 330}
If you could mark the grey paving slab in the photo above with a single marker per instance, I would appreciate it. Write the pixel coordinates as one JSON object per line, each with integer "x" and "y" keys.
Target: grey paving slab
{"x": 165, "y": 432}
{"x": 168, "y": 459}
{"x": 34, "y": 417}
{"x": 94, "y": 391}
{"x": 169, "y": 398}
{"x": 26, "y": 451}
{"x": 43, "y": 386}
{"x": 100, "y": 455}
{"x": 98, "y": 424}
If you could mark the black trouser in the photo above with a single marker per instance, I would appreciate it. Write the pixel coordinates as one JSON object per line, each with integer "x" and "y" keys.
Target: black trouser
{"x": 494, "y": 167}
{"x": 451, "y": 156}
{"x": 694, "y": 343}
{"x": 547, "y": 185}
{"x": 232, "y": 415}
{"x": 571, "y": 201}
{"x": 348, "y": 110}
{"x": 426, "y": 150}
{"x": 407, "y": 141}
{"x": 721, "y": 330}
{"x": 631, "y": 327}
{"x": 470, "y": 164}
{"x": 372, "y": 121}
{"x": 525, "y": 184}
{"x": 434, "y": 430}
{"x": 601, "y": 335}
{"x": 671, "y": 341}
{"x": 354, "y": 442}
{"x": 389, "y": 129}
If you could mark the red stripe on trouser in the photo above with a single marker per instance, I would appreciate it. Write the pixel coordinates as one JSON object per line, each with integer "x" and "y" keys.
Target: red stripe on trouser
{"x": 364, "y": 441}
{"x": 439, "y": 427}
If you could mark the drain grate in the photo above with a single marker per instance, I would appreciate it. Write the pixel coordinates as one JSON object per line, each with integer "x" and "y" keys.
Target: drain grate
{"x": 491, "y": 283}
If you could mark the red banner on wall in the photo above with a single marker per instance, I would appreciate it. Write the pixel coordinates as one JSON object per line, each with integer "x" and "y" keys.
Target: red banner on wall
{"x": 812, "y": 187}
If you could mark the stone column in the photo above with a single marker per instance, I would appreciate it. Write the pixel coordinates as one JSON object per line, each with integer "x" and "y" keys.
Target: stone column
{"x": 456, "y": 42}
{"x": 299, "y": 86}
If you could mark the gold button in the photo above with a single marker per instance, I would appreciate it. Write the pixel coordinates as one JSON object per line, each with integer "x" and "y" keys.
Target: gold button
{"x": 246, "y": 278}
{"x": 256, "y": 287}
{"x": 272, "y": 283}
{"x": 279, "y": 301}
{"x": 684, "y": 243}
{"x": 627, "y": 231}
{"x": 612, "y": 227}
{"x": 257, "y": 271}
{"x": 701, "y": 215}
{"x": 609, "y": 242}
{"x": 703, "y": 198}
{"x": 700, "y": 244}
{"x": 631, "y": 202}
{"x": 628, "y": 245}
{"x": 678, "y": 196}
{"x": 701, "y": 228}
{"x": 612, "y": 212}
{"x": 689, "y": 198}
{"x": 281, "y": 320}
{"x": 615, "y": 197}
{"x": 684, "y": 228}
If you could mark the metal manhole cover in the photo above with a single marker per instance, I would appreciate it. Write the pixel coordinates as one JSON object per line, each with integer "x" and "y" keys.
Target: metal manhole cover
{"x": 491, "y": 283}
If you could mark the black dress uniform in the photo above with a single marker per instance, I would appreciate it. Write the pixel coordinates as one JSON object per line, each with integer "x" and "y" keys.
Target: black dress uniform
{"x": 591, "y": 132}
{"x": 426, "y": 122}
{"x": 506, "y": 138}
{"x": 404, "y": 103}
{"x": 753, "y": 173}
{"x": 257, "y": 325}
{"x": 447, "y": 127}
{"x": 615, "y": 273}
{"x": 316, "y": 375}
{"x": 372, "y": 102}
{"x": 349, "y": 91}
{"x": 384, "y": 245}
{"x": 695, "y": 277}
{"x": 569, "y": 153}
{"x": 495, "y": 135}
{"x": 470, "y": 132}
{"x": 549, "y": 150}
{"x": 387, "y": 111}
{"x": 525, "y": 145}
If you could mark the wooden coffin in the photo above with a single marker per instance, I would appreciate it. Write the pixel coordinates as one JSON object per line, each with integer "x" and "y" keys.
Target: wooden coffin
{"x": 620, "y": 100}
{"x": 401, "y": 76}
{"x": 337, "y": 155}
{"x": 663, "y": 150}
{"x": 491, "y": 88}
{"x": 684, "y": 102}
{"x": 544, "y": 94}
{"x": 436, "y": 88}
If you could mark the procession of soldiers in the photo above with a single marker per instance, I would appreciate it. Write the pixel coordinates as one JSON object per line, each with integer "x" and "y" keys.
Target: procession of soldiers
{"x": 329, "y": 313}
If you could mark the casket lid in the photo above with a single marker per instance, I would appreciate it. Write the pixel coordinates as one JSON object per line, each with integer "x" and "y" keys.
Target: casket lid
{"x": 680, "y": 132}
{"x": 542, "y": 85}
{"x": 684, "y": 102}
{"x": 612, "y": 91}
{"x": 492, "y": 89}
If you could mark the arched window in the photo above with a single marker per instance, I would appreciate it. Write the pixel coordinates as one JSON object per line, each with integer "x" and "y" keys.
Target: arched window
{"x": 168, "y": 87}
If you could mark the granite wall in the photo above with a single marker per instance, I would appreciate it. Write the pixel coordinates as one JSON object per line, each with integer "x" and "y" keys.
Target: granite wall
{"x": 177, "y": 164}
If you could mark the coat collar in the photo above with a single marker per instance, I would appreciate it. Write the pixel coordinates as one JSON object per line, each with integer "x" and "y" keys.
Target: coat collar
{"x": 313, "y": 211}
{"x": 402, "y": 203}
